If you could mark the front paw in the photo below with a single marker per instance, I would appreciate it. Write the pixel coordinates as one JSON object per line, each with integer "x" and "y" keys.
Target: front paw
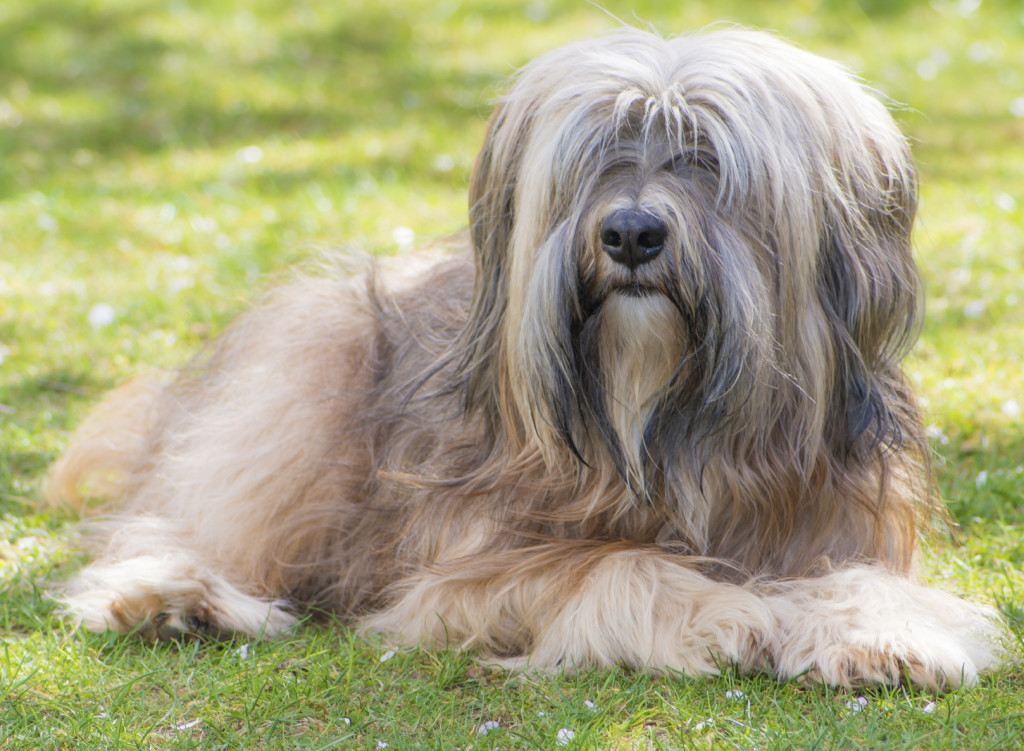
{"x": 864, "y": 626}
{"x": 901, "y": 661}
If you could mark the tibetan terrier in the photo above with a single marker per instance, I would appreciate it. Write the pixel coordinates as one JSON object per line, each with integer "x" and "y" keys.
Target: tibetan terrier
{"x": 654, "y": 414}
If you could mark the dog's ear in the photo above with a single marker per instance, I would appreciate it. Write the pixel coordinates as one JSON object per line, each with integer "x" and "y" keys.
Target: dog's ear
{"x": 515, "y": 355}
{"x": 491, "y": 217}
{"x": 492, "y": 186}
{"x": 871, "y": 292}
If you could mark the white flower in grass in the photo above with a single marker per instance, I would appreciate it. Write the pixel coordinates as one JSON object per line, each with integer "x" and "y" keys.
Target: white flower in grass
{"x": 1011, "y": 408}
{"x": 967, "y": 7}
{"x": 927, "y": 69}
{"x": 9, "y": 115}
{"x": 1005, "y": 201}
{"x": 387, "y": 655}
{"x": 538, "y": 12}
{"x": 857, "y": 704}
{"x": 974, "y": 309}
{"x": 187, "y": 725}
{"x": 101, "y": 315}
{"x": 734, "y": 694}
{"x": 982, "y": 52}
{"x": 928, "y": 708}
{"x": 404, "y": 237}
{"x": 487, "y": 727}
{"x": 243, "y": 652}
{"x": 249, "y": 155}
{"x": 444, "y": 163}
{"x": 382, "y": 744}
{"x": 590, "y": 705}
{"x": 564, "y": 737}
{"x": 981, "y": 479}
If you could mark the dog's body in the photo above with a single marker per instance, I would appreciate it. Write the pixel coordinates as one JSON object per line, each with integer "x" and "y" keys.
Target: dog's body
{"x": 657, "y": 419}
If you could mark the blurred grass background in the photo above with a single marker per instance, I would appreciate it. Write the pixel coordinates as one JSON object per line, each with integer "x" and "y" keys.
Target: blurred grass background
{"x": 160, "y": 161}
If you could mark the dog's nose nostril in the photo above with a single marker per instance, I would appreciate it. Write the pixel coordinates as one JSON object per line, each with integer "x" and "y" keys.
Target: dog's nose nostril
{"x": 611, "y": 238}
{"x": 633, "y": 237}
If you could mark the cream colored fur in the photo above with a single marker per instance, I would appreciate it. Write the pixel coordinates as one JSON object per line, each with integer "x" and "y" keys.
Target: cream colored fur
{"x": 533, "y": 451}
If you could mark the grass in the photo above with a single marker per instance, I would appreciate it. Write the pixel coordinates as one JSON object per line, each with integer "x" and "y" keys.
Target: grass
{"x": 161, "y": 161}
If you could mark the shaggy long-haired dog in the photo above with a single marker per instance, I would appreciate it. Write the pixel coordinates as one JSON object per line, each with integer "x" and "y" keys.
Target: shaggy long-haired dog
{"x": 657, "y": 419}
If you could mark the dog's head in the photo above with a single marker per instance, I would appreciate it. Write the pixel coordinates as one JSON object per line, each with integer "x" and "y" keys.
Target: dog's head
{"x": 689, "y": 241}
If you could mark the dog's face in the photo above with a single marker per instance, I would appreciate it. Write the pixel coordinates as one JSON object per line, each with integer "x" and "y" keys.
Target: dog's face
{"x": 686, "y": 241}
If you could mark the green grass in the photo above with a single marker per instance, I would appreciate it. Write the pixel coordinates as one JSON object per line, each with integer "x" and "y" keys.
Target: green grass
{"x": 166, "y": 159}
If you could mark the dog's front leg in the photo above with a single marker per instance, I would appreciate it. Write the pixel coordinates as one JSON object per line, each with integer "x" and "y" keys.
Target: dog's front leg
{"x": 575, "y": 605}
{"x": 862, "y": 625}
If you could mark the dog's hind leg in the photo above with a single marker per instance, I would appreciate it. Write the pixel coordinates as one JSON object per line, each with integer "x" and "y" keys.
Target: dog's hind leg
{"x": 159, "y": 588}
{"x": 233, "y": 482}
{"x": 575, "y": 605}
{"x": 166, "y": 596}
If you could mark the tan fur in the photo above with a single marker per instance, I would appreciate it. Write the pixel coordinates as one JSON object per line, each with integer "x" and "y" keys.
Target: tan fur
{"x": 533, "y": 451}
{"x": 107, "y": 445}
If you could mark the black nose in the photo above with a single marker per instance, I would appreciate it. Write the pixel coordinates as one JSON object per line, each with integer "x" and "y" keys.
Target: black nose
{"x": 633, "y": 237}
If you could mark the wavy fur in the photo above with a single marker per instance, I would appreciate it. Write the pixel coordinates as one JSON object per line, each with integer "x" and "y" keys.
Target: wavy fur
{"x": 540, "y": 453}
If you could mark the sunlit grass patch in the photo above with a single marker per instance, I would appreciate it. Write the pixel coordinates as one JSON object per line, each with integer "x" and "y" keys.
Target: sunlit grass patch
{"x": 162, "y": 164}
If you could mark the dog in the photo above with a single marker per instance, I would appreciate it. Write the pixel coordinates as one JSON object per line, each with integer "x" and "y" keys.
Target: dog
{"x": 649, "y": 412}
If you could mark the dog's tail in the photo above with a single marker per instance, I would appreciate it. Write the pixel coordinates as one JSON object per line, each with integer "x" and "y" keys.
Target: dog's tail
{"x": 106, "y": 447}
